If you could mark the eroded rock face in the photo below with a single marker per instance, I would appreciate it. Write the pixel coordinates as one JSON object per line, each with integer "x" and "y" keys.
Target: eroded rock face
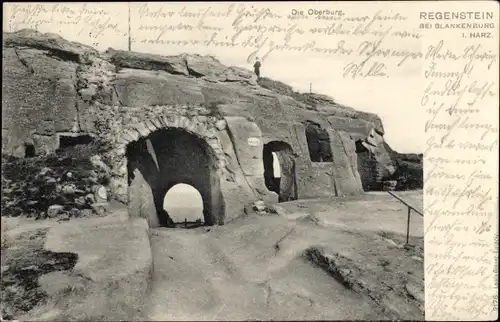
{"x": 140, "y": 87}
{"x": 53, "y": 86}
{"x": 39, "y": 97}
{"x": 125, "y": 59}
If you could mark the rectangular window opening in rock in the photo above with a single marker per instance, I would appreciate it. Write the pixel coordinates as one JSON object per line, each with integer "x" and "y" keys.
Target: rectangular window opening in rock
{"x": 29, "y": 150}
{"x": 67, "y": 141}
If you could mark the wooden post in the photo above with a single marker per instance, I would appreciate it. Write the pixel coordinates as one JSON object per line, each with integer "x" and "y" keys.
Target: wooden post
{"x": 185, "y": 223}
{"x": 408, "y": 226}
{"x": 129, "y": 36}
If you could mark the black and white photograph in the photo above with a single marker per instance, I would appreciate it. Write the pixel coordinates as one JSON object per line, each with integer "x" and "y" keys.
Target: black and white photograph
{"x": 246, "y": 161}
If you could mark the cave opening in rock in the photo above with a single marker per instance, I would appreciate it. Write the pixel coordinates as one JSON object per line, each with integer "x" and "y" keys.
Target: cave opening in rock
{"x": 279, "y": 170}
{"x": 318, "y": 143}
{"x": 184, "y": 205}
{"x": 164, "y": 159}
{"x": 71, "y": 140}
{"x": 29, "y": 150}
{"x": 366, "y": 166}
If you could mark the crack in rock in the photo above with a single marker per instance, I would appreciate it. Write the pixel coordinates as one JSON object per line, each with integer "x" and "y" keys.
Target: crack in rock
{"x": 277, "y": 244}
{"x": 117, "y": 96}
{"x": 24, "y": 62}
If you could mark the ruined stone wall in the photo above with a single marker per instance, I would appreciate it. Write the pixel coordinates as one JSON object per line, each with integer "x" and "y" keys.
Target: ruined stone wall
{"x": 125, "y": 125}
{"x": 53, "y": 87}
{"x": 39, "y": 98}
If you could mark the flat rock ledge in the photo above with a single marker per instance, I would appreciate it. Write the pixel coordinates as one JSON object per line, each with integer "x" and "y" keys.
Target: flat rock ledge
{"x": 111, "y": 278}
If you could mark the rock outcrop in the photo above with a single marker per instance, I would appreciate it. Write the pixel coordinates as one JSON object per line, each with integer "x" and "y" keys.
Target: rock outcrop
{"x": 409, "y": 174}
{"x": 56, "y": 92}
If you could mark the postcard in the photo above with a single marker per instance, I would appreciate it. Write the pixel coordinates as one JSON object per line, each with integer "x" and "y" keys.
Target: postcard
{"x": 244, "y": 161}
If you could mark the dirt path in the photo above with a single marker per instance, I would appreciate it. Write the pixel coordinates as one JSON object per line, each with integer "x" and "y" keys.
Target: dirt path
{"x": 254, "y": 268}
{"x": 257, "y": 268}
{"x": 237, "y": 273}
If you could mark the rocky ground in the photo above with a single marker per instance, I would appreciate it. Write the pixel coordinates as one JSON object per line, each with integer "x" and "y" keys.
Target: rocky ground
{"x": 24, "y": 260}
{"x": 63, "y": 185}
{"x": 58, "y": 187}
{"x": 93, "y": 268}
{"x": 303, "y": 260}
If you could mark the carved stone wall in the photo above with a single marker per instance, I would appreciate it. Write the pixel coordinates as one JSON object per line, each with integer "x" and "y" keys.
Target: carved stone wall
{"x": 53, "y": 88}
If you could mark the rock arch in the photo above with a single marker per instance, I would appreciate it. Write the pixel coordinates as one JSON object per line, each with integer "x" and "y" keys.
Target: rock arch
{"x": 286, "y": 185}
{"x": 144, "y": 158}
{"x": 198, "y": 126}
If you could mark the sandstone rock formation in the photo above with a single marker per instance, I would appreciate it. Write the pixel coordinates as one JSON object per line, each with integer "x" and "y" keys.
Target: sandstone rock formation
{"x": 63, "y": 186}
{"x": 185, "y": 119}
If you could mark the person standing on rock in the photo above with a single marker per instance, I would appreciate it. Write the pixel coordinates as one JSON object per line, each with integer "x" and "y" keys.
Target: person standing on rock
{"x": 256, "y": 67}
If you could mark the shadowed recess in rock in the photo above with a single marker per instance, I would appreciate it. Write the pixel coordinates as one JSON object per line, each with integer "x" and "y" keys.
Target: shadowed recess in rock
{"x": 366, "y": 167}
{"x": 173, "y": 156}
{"x": 66, "y": 141}
{"x": 29, "y": 150}
{"x": 318, "y": 142}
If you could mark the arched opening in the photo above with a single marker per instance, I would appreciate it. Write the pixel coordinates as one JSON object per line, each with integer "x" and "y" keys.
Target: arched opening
{"x": 29, "y": 150}
{"x": 164, "y": 159}
{"x": 184, "y": 205}
{"x": 279, "y": 170}
{"x": 318, "y": 143}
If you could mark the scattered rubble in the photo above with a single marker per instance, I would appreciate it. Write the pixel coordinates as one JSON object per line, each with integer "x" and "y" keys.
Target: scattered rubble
{"x": 261, "y": 208}
{"x": 59, "y": 185}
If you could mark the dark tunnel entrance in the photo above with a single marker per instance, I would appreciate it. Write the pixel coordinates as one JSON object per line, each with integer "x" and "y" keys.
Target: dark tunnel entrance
{"x": 164, "y": 159}
{"x": 318, "y": 142}
{"x": 278, "y": 154}
{"x": 29, "y": 150}
{"x": 68, "y": 141}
